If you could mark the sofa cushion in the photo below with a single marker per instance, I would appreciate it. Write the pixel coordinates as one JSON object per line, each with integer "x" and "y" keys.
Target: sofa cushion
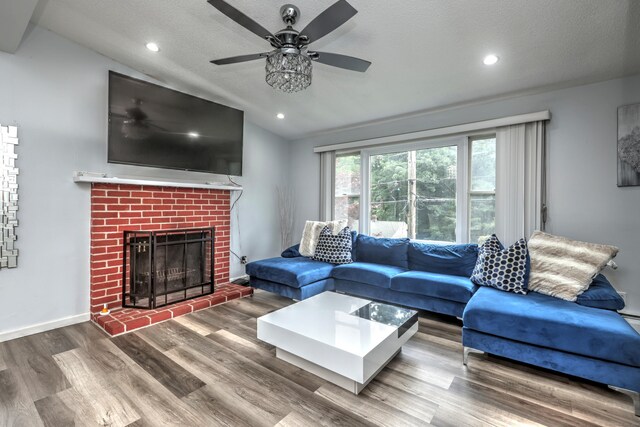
{"x": 458, "y": 260}
{"x": 382, "y": 251}
{"x": 294, "y": 272}
{"x": 553, "y": 323}
{"x": 369, "y": 273}
{"x": 601, "y": 295}
{"x": 444, "y": 286}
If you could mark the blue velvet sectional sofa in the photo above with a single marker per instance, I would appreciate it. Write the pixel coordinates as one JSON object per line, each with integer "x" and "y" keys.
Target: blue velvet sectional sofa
{"x": 588, "y": 339}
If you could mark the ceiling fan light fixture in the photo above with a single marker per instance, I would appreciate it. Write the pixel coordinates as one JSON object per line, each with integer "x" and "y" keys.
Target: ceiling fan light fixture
{"x": 288, "y": 71}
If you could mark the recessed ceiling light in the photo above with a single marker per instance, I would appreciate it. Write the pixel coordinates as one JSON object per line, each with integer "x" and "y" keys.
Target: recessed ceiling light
{"x": 194, "y": 135}
{"x": 280, "y": 116}
{"x": 490, "y": 60}
{"x": 153, "y": 47}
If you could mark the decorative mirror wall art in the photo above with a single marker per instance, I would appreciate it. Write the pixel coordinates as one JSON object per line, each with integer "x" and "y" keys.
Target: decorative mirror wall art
{"x": 8, "y": 196}
{"x": 629, "y": 145}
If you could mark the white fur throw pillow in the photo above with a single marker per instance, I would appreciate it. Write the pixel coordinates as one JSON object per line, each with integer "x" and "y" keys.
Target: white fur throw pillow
{"x": 311, "y": 234}
{"x": 564, "y": 268}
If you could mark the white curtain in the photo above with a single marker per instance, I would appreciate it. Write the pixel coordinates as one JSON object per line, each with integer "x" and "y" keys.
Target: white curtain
{"x": 520, "y": 180}
{"x": 327, "y": 172}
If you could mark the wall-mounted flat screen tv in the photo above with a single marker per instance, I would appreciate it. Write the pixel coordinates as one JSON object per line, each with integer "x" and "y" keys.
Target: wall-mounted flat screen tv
{"x": 150, "y": 125}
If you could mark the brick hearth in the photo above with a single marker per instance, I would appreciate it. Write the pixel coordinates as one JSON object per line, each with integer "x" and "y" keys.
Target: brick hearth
{"x": 128, "y": 319}
{"x": 116, "y": 208}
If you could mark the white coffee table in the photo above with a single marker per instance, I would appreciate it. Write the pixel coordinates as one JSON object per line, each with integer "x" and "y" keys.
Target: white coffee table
{"x": 345, "y": 340}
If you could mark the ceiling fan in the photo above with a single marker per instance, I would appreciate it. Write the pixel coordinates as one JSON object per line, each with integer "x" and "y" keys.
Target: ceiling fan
{"x": 289, "y": 66}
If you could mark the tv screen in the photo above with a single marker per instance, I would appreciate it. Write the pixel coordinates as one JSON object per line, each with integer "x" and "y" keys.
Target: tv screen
{"x": 150, "y": 125}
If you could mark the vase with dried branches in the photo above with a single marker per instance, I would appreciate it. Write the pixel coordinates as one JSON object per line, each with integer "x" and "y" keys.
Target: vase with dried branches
{"x": 285, "y": 205}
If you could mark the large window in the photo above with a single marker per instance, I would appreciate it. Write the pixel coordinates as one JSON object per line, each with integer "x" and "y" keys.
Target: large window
{"x": 440, "y": 191}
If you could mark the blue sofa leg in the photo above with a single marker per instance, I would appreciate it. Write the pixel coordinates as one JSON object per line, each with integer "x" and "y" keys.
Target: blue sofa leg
{"x": 634, "y": 395}
{"x": 465, "y": 354}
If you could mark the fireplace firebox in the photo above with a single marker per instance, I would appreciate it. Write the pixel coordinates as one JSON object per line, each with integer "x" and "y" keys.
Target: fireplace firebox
{"x": 167, "y": 266}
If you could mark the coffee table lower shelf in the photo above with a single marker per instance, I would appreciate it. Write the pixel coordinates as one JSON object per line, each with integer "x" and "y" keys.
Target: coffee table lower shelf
{"x": 328, "y": 375}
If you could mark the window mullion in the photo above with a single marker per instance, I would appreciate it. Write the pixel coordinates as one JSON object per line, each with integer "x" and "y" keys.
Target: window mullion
{"x": 365, "y": 192}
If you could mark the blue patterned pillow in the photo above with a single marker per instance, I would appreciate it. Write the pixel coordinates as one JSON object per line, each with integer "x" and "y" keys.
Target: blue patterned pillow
{"x": 504, "y": 269}
{"x": 335, "y": 249}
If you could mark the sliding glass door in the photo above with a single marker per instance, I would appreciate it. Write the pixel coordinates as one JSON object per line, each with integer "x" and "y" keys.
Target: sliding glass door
{"x": 438, "y": 191}
{"x": 413, "y": 194}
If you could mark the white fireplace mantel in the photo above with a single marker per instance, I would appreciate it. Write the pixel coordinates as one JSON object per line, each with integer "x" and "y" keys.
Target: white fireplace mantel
{"x": 90, "y": 177}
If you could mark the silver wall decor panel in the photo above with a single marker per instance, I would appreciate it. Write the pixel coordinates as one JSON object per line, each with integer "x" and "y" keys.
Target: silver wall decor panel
{"x": 8, "y": 196}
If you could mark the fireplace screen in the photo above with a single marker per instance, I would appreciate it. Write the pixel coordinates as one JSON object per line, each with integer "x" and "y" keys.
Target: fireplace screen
{"x": 164, "y": 267}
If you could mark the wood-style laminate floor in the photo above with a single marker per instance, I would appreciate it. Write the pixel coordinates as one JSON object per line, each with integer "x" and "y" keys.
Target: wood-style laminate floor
{"x": 208, "y": 369}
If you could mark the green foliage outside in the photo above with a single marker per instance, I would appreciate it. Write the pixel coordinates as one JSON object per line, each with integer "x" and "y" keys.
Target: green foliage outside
{"x": 435, "y": 191}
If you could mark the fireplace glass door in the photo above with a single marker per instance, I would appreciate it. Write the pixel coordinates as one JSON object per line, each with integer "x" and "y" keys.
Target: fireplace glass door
{"x": 164, "y": 267}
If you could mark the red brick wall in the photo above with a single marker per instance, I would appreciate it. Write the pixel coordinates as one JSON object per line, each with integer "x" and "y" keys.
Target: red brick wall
{"x": 117, "y": 208}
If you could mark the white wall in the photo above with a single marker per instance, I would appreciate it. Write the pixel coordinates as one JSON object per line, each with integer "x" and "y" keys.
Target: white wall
{"x": 56, "y": 91}
{"x": 584, "y": 201}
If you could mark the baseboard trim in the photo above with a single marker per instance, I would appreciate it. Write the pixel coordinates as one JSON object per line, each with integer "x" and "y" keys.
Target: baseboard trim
{"x": 42, "y": 327}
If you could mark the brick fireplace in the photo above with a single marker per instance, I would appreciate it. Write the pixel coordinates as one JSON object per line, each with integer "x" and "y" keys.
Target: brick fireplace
{"x": 116, "y": 208}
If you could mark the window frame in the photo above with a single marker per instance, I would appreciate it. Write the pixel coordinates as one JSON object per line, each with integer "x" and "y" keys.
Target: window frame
{"x": 463, "y": 186}
{"x": 470, "y": 191}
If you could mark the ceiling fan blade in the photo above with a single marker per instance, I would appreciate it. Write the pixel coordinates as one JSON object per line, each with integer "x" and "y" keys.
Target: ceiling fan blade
{"x": 332, "y": 17}
{"x": 241, "y": 18}
{"x": 241, "y": 58}
{"x": 340, "y": 61}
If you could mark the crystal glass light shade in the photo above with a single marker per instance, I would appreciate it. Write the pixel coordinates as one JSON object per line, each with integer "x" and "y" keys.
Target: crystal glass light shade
{"x": 288, "y": 72}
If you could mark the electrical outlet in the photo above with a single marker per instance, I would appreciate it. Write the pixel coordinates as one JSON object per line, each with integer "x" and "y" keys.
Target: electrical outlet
{"x": 243, "y": 259}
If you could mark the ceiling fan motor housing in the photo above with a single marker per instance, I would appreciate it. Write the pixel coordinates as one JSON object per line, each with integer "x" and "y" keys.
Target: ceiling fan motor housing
{"x": 287, "y": 38}
{"x": 289, "y": 14}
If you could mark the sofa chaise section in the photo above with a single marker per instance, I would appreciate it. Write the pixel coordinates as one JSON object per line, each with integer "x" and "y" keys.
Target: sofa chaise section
{"x": 537, "y": 329}
{"x": 297, "y": 278}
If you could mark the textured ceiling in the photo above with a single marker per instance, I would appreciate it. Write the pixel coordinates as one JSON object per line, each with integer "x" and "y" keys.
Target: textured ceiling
{"x": 426, "y": 53}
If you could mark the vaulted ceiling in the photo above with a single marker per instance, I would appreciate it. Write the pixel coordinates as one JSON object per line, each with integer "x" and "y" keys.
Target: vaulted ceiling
{"x": 14, "y": 18}
{"x": 426, "y": 53}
